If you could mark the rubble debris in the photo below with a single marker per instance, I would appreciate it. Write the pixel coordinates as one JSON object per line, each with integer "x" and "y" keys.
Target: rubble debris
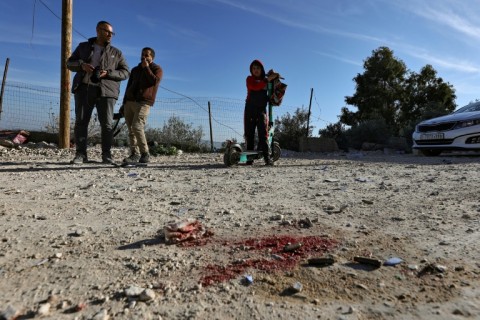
{"x": 371, "y": 261}
{"x": 185, "y": 230}
{"x": 321, "y": 261}
{"x": 12, "y": 139}
{"x": 292, "y": 247}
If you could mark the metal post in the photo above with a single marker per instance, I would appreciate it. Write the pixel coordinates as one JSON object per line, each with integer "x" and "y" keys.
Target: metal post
{"x": 3, "y": 85}
{"x": 64, "y": 125}
{"x": 210, "y": 121}
{"x": 309, "y": 108}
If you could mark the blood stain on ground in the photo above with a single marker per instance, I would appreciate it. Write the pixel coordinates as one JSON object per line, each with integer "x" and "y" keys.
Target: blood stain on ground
{"x": 284, "y": 253}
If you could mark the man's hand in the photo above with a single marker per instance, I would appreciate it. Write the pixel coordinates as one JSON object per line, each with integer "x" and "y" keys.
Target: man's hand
{"x": 145, "y": 62}
{"x": 87, "y": 67}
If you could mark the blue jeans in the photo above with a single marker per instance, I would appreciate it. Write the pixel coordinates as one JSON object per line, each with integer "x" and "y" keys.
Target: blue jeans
{"x": 86, "y": 99}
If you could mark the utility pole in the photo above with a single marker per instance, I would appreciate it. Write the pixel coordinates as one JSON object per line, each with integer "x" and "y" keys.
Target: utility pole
{"x": 309, "y": 108}
{"x": 64, "y": 125}
{"x": 3, "y": 85}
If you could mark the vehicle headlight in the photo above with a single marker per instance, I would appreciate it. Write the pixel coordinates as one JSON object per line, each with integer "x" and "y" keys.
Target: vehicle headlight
{"x": 468, "y": 123}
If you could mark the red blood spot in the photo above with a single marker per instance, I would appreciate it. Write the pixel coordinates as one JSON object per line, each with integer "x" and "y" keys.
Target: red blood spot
{"x": 311, "y": 246}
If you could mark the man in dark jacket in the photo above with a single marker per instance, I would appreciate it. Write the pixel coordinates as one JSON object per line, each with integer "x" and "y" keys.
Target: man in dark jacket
{"x": 99, "y": 69}
{"x": 139, "y": 97}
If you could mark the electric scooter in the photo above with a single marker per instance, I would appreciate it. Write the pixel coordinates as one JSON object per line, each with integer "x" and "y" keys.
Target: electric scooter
{"x": 234, "y": 154}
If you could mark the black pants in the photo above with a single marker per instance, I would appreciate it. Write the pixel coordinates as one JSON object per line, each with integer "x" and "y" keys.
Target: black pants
{"x": 256, "y": 118}
{"x": 86, "y": 99}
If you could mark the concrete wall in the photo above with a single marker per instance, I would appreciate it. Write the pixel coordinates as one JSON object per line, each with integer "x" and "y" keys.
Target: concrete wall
{"x": 317, "y": 145}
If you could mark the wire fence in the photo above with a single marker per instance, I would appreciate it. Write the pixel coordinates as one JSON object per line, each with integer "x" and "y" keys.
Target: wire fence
{"x": 36, "y": 108}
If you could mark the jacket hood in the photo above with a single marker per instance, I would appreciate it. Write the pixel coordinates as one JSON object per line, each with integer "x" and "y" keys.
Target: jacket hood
{"x": 259, "y": 63}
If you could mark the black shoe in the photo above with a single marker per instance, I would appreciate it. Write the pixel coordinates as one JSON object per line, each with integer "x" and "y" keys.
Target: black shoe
{"x": 79, "y": 159}
{"x": 249, "y": 163}
{"x": 108, "y": 160}
{"x": 133, "y": 158}
{"x": 269, "y": 162}
{"x": 144, "y": 158}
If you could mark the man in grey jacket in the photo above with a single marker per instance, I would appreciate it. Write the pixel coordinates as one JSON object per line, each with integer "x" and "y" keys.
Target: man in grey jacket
{"x": 99, "y": 69}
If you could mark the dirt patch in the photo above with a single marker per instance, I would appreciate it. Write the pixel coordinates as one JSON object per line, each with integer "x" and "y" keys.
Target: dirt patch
{"x": 82, "y": 241}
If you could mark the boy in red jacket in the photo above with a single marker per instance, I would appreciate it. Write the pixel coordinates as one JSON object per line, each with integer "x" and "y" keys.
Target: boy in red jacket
{"x": 255, "y": 116}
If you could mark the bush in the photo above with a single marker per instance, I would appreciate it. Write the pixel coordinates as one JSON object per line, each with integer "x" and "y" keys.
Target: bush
{"x": 159, "y": 149}
{"x": 176, "y": 133}
{"x": 289, "y": 129}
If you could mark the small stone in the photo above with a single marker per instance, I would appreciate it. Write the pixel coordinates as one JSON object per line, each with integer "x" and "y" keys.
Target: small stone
{"x": 101, "y": 315}
{"x": 278, "y": 257}
{"x": 133, "y": 291}
{"x": 459, "y": 268}
{"x": 296, "y": 287}
{"x": 43, "y": 309}
{"x": 441, "y": 268}
{"x": 292, "y": 247}
{"x": 10, "y": 313}
{"x": 361, "y": 286}
{"x": 277, "y": 217}
{"x": 147, "y": 295}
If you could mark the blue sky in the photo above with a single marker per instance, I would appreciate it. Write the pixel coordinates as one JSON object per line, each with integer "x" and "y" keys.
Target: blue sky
{"x": 206, "y": 46}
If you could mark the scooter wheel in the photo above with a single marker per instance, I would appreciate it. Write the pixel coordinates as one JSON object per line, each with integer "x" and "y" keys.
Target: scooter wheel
{"x": 231, "y": 157}
{"x": 276, "y": 152}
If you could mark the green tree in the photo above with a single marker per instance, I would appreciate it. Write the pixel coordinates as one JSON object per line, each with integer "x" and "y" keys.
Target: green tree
{"x": 388, "y": 91}
{"x": 379, "y": 90}
{"x": 290, "y": 128}
{"x": 427, "y": 96}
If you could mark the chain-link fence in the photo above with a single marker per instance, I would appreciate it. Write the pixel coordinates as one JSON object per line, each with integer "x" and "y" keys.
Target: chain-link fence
{"x": 36, "y": 108}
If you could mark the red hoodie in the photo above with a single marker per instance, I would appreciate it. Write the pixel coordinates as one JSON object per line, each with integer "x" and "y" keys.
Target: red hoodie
{"x": 256, "y": 87}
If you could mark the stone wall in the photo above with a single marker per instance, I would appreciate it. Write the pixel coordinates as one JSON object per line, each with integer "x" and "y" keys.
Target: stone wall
{"x": 317, "y": 145}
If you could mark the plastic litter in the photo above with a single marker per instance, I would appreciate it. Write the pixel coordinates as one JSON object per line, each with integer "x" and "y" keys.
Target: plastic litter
{"x": 247, "y": 279}
{"x": 393, "y": 261}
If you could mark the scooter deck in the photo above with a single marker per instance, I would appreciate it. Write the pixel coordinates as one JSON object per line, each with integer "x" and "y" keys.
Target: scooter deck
{"x": 250, "y": 155}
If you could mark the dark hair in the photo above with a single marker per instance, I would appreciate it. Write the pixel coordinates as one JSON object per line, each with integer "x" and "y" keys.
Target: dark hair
{"x": 151, "y": 51}
{"x": 103, "y": 22}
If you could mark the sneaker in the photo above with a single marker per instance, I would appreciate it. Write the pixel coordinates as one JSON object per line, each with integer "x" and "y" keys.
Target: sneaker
{"x": 108, "y": 160}
{"x": 269, "y": 162}
{"x": 144, "y": 158}
{"x": 79, "y": 159}
{"x": 133, "y": 158}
